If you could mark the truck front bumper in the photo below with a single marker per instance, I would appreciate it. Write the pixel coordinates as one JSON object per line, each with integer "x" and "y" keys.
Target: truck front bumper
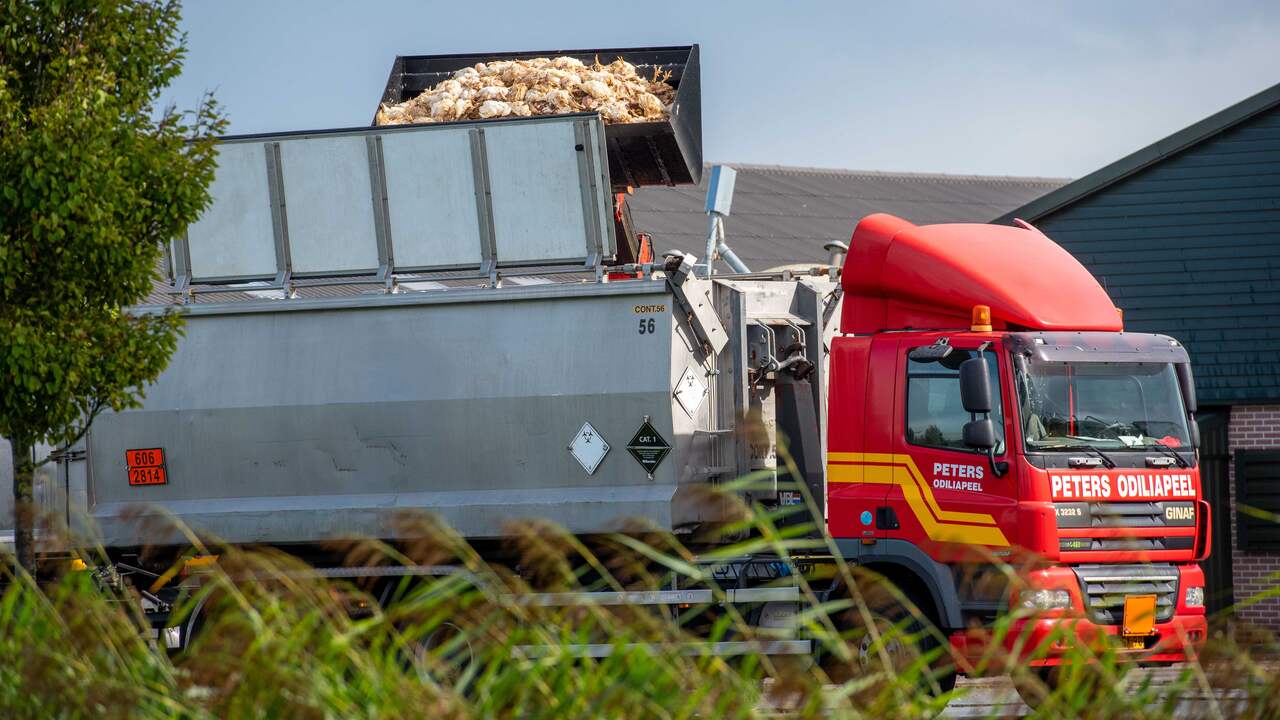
{"x": 1044, "y": 642}
{"x": 1050, "y": 637}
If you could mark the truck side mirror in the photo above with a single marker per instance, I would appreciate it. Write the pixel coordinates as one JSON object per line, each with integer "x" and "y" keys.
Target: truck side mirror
{"x": 975, "y": 386}
{"x": 980, "y": 434}
{"x": 1194, "y": 429}
{"x": 1188, "y": 385}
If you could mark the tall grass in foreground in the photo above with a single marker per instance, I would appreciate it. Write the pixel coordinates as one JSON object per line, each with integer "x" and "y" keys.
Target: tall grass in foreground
{"x": 275, "y": 640}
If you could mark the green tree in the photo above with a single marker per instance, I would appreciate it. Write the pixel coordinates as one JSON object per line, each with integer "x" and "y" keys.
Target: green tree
{"x": 94, "y": 182}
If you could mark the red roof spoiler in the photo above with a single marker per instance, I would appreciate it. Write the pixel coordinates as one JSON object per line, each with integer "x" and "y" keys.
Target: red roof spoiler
{"x": 902, "y": 276}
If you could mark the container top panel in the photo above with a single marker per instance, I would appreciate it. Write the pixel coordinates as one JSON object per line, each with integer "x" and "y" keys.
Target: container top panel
{"x": 521, "y": 192}
{"x": 668, "y": 152}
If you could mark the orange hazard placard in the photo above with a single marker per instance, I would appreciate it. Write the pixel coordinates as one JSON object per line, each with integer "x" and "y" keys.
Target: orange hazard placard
{"x": 1139, "y": 615}
{"x": 146, "y": 466}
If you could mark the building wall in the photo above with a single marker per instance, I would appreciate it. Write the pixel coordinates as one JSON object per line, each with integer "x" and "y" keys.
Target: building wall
{"x": 1189, "y": 247}
{"x": 1253, "y": 427}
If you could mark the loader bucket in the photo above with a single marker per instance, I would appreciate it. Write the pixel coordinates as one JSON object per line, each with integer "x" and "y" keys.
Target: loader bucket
{"x": 652, "y": 153}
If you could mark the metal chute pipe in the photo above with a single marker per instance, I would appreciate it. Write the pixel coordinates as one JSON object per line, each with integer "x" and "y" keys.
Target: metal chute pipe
{"x": 731, "y": 258}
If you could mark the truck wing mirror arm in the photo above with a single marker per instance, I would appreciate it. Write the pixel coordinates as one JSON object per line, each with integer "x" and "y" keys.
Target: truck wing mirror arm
{"x": 981, "y": 434}
{"x": 998, "y": 467}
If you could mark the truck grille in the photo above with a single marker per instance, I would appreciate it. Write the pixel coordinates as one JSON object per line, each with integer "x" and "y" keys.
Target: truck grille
{"x": 1087, "y": 544}
{"x": 1171, "y": 513}
{"x": 1105, "y": 586}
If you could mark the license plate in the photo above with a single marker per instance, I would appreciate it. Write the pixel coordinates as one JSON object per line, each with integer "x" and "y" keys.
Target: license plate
{"x": 1139, "y": 617}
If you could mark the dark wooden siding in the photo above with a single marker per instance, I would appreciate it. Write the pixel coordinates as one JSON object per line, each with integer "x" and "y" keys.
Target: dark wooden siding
{"x": 1190, "y": 247}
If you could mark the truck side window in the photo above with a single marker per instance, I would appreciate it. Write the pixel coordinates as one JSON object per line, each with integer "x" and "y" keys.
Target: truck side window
{"x": 935, "y": 414}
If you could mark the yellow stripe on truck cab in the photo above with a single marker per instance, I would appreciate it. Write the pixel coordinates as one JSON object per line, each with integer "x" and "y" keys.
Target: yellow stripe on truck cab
{"x": 891, "y": 469}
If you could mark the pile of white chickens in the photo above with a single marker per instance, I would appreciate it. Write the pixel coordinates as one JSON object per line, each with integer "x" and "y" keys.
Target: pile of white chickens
{"x": 541, "y": 86}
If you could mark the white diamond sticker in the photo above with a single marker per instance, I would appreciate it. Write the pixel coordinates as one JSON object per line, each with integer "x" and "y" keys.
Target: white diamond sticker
{"x": 588, "y": 448}
{"x": 690, "y": 391}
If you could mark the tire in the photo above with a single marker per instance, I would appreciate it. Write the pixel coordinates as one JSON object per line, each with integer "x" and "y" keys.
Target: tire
{"x": 901, "y": 638}
{"x": 1035, "y": 685}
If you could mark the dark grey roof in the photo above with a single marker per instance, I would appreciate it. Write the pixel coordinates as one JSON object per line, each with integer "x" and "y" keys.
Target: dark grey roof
{"x": 784, "y": 215}
{"x": 1147, "y": 156}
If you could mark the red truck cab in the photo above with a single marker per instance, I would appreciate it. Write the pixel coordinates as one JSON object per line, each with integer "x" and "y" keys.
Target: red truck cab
{"x": 987, "y": 407}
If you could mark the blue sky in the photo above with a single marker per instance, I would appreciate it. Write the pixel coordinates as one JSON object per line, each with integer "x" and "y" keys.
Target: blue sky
{"x": 1008, "y": 88}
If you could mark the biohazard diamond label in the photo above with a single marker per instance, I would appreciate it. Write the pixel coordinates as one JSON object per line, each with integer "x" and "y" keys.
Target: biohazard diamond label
{"x": 690, "y": 391}
{"x": 588, "y": 448}
{"x": 648, "y": 447}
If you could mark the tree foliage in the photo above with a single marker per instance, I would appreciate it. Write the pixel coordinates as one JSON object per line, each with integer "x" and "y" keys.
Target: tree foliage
{"x": 94, "y": 183}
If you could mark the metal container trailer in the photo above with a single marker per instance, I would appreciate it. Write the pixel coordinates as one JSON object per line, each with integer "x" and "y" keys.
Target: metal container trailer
{"x": 419, "y": 317}
{"x": 302, "y": 421}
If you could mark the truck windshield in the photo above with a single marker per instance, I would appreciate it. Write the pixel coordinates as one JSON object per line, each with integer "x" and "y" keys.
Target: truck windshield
{"x": 1066, "y": 405}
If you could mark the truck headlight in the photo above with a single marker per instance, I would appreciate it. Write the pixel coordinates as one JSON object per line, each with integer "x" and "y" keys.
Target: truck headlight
{"x": 1195, "y": 597}
{"x": 1044, "y": 599}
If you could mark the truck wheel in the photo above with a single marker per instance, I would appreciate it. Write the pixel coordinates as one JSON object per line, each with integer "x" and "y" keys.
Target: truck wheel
{"x": 905, "y": 639}
{"x": 446, "y": 653}
{"x": 1035, "y": 684}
